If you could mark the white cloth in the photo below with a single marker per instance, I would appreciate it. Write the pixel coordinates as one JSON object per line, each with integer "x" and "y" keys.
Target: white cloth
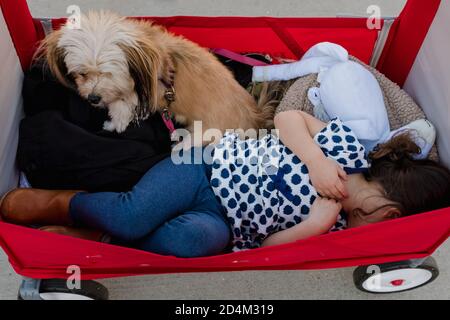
{"x": 429, "y": 79}
{"x": 23, "y": 181}
{"x": 11, "y": 78}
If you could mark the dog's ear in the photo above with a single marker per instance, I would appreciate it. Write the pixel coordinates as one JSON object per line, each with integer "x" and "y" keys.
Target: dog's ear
{"x": 144, "y": 62}
{"x": 54, "y": 57}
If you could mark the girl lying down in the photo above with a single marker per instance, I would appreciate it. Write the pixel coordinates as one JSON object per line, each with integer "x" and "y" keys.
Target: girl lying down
{"x": 321, "y": 181}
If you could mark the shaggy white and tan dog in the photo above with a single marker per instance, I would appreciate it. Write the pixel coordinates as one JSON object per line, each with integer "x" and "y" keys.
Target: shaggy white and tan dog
{"x": 133, "y": 68}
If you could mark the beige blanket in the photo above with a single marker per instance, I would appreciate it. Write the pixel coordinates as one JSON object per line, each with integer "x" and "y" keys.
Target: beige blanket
{"x": 401, "y": 108}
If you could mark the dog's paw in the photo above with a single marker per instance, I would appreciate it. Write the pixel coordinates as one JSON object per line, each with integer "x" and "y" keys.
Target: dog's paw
{"x": 109, "y": 126}
{"x": 121, "y": 126}
{"x": 118, "y": 126}
{"x": 121, "y": 115}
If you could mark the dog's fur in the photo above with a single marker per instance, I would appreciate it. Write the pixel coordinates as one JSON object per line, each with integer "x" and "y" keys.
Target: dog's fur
{"x": 127, "y": 63}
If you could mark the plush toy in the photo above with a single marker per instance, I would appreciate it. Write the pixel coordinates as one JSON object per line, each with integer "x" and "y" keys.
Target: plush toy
{"x": 320, "y": 57}
{"x": 347, "y": 90}
{"x": 424, "y": 134}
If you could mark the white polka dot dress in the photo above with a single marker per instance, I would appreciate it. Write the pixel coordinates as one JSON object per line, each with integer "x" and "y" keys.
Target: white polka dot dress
{"x": 265, "y": 188}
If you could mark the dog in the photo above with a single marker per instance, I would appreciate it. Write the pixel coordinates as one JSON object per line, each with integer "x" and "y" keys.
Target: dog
{"x": 135, "y": 68}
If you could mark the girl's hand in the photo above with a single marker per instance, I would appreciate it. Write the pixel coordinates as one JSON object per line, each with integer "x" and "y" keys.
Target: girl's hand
{"x": 326, "y": 176}
{"x": 324, "y": 214}
{"x": 322, "y": 217}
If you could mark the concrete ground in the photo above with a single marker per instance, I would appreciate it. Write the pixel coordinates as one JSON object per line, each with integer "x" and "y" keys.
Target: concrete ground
{"x": 49, "y": 8}
{"x": 328, "y": 284}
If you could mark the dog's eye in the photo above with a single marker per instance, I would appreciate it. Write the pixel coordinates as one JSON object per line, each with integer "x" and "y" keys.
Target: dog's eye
{"x": 83, "y": 74}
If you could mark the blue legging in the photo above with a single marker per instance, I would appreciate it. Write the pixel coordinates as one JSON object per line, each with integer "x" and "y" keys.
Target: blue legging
{"x": 171, "y": 211}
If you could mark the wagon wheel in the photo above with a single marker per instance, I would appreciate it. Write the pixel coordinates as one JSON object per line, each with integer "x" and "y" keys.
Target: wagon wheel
{"x": 395, "y": 277}
{"x": 56, "y": 289}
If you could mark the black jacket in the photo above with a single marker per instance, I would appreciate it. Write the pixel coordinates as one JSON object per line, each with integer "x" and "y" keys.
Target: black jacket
{"x": 62, "y": 144}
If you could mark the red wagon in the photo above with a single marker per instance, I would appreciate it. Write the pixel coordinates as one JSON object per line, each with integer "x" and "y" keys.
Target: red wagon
{"x": 411, "y": 49}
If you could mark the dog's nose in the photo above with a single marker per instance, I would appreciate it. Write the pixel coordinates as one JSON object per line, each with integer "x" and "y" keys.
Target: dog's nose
{"x": 94, "y": 99}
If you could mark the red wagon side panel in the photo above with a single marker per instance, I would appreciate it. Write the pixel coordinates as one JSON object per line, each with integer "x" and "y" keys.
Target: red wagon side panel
{"x": 280, "y": 37}
{"x": 42, "y": 255}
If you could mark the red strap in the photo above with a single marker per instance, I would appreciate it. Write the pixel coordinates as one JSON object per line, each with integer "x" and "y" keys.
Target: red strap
{"x": 286, "y": 37}
{"x": 167, "y": 119}
{"x": 238, "y": 57}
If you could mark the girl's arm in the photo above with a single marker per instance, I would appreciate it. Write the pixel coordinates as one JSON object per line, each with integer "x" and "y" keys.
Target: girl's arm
{"x": 296, "y": 130}
{"x": 301, "y": 231}
{"x": 323, "y": 216}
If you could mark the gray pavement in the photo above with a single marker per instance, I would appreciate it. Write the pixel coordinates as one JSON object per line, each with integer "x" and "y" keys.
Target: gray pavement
{"x": 45, "y": 8}
{"x": 325, "y": 284}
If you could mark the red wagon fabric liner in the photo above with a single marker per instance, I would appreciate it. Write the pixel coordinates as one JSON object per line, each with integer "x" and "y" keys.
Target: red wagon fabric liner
{"x": 37, "y": 254}
{"x": 41, "y": 255}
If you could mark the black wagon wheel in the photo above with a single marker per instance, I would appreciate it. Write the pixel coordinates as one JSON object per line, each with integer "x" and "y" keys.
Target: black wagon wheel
{"x": 57, "y": 289}
{"x": 395, "y": 277}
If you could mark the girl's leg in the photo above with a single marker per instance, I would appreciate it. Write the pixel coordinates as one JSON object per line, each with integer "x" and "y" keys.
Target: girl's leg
{"x": 165, "y": 191}
{"x": 193, "y": 234}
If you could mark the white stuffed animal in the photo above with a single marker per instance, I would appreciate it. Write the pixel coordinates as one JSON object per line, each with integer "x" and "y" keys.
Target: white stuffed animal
{"x": 351, "y": 92}
{"x": 348, "y": 91}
